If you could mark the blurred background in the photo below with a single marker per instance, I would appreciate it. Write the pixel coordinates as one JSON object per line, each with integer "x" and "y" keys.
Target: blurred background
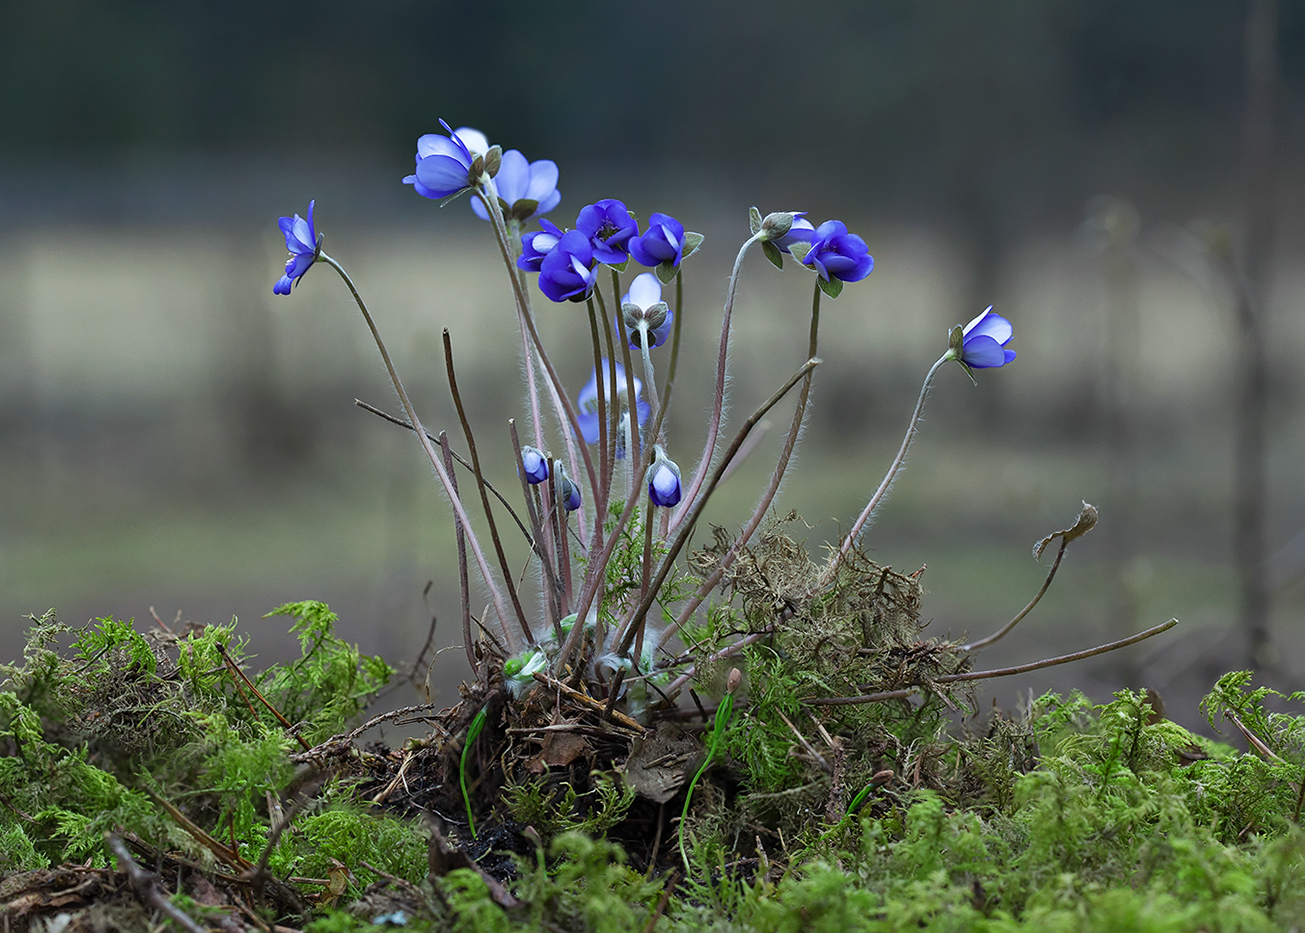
{"x": 1123, "y": 181}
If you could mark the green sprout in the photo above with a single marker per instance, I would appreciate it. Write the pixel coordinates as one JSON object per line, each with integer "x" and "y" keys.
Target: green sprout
{"x": 477, "y": 725}
{"x": 724, "y": 713}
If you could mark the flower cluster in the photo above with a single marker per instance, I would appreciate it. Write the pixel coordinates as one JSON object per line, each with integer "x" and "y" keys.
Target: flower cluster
{"x": 575, "y": 553}
{"x": 605, "y": 233}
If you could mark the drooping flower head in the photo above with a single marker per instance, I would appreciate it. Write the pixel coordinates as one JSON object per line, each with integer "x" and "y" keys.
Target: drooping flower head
{"x": 301, "y": 240}
{"x": 566, "y": 273}
{"x": 587, "y": 405}
{"x": 663, "y": 242}
{"x": 802, "y": 231}
{"x": 534, "y": 465}
{"x": 646, "y": 316}
{"x": 568, "y": 490}
{"x": 525, "y": 189}
{"x": 444, "y": 163}
{"x": 537, "y": 244}
{"x": 983, "y": 342}
{"x": 609, "y": 226}
{"x": 836, "y": 254}
{"x": 664, "y": 481}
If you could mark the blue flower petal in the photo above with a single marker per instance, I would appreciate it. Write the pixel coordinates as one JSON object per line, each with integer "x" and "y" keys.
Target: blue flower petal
{"x": 983, "y": 352}
{"x": 992, "y": 325}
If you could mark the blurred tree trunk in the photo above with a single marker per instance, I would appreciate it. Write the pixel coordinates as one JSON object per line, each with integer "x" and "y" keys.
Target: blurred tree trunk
{"x": 1250, "y": 279}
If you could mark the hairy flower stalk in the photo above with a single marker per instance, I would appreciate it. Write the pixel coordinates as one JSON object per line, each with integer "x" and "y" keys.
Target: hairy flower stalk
{"x": 718, "y": 404}
{"x": 449, "y": 490}
{"x": 562, "y": 404}
{"x": 911, "y": 430}
{"x": 763, "y": 506}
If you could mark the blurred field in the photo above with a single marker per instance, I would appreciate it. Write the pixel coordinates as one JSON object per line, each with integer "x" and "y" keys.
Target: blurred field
{"x": 174, "y": 436}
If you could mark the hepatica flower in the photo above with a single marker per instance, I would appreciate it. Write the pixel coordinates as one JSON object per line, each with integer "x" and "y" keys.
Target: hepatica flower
{"x": 646, "y": 315}
{"x": 662, "y": 243}
{"x": 609, "y": 226}
{"x": 535, "y": 246}
{"x": 566, "y": 273}
{"x": 301, "y": 240}
{"x": 444, "y": 162}
{"x": 587, "y": 403}
{"x": 837, "y": 254}
{"x": 525, "y": 189}
{"x": 802, "y": 231}
{"x": 534, "y": 465}
{"x": 983, "y": 342}
{"x": 664, "y": 481}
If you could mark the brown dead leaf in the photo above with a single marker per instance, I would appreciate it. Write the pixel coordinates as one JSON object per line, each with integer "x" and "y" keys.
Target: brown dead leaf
{"x": 660, "y": 764}
{"x": 560, "y": 749}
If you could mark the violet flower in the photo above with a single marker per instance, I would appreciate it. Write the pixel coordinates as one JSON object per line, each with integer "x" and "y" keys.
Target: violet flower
{"x": 525, "y": 189}
{"x": 609, "y": 226}
{"x": 662, "y": 243}
{"x": 301, "y": 240}
{"x": 587, "y": 405}
{"x": 645, "y": 312}
{"x": 837, "y": 254}
{"x": 444, "y": 163}
{"x": 566, "y": 273}
{"x": 802, "y": 231}
{"x": 983, "y": 342}
{"x": 536, "y": 245}
{"x": 664, "y": 481}
{"x": 534, "y": 465}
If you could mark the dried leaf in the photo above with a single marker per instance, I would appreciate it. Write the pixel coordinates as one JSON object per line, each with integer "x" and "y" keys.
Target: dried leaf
{"x": 1086, "y": 520}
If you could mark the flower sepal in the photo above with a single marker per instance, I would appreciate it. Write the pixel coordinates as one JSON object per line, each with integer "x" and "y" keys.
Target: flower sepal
{"x": 777, "y": 224}
{"x": 771, "y": 252}
{"x": 493, "y": 160}
{"x": 831, "y": 286}
{"x": 666, "y": 270}
{"x": 799, "y": 250}
{"x": 754, "y": 220}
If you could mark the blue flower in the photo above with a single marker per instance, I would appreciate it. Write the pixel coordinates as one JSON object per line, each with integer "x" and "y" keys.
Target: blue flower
{"x": 645, "y": 312}
{"x": 588, "y": 406}
{"x": 663, "y": 242}
{"x": 525, "y": 189}
{"x": 837, "y": 254}
{"x": 664, "y": 481}
{"x": 609, "y": 226}
{"x": 802, "y": 231}
{"x": 984, "y": 339}
{"x": 534, "y": 465}
{"x": 567, "y": 272}
{"x": 301, "y": 240}
{"x": 443, "y": 163}
{"x": 535, "y": 246}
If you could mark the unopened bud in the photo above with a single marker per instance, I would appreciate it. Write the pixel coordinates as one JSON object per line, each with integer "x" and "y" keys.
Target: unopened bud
{"x": 733, "y": 680}
{"x": 534, "y": 465}
{"x": 777, "y": 225}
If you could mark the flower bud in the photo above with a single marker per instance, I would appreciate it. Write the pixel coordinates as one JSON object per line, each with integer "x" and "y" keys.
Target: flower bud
{"x": 664, "y": 481}
{"x": 534, "y": 465}
{"x": 733, "y": 680}
{"x": 570, "y": 491}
